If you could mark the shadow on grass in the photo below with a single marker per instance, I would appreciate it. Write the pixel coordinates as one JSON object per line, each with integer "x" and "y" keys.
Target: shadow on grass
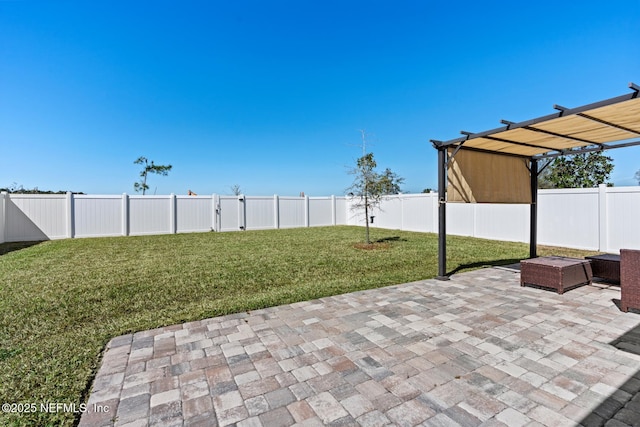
{"x": 5, "y": 248}
{"x": 511, "y": 262}
{"x": 391, "y": 239}
{"x": 382, "y": 243}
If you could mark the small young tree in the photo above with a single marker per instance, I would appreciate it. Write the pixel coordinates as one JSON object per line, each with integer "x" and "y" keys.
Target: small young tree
{"x": 638, "y": 176}
{"x": 236, "y": 190}
{"x": 369, "y": 186}
{"x": 147, "y": 169}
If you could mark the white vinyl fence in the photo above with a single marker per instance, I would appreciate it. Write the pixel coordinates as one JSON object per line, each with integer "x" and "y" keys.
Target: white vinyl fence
{"x": 603, "y": 219}
{"x": 32, "y": 217}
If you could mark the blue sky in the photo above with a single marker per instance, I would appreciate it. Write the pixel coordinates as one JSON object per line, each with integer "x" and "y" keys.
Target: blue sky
{"x": 271, "y": 95}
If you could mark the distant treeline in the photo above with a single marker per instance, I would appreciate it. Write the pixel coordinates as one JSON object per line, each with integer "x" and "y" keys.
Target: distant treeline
{"x": 22, "y": 190}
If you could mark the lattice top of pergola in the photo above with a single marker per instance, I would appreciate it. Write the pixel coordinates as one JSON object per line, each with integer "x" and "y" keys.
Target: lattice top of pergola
{"x": 607, "y": 124}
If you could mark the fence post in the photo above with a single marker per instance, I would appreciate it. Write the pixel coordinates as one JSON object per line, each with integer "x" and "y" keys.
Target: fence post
{"x": 172, "y": 213}
{"x": 276, "y": 212}
{"x": 215, "y": 199}
{"x": 602, "y": 218}
{"x": 3, "y": 216}
{"x": 306, "y": 211}
{"x": 125, "y": 214}
{"x": 70, "y": 215}
{"x": 333, "y": 210}
{"x": 401, "y": 211}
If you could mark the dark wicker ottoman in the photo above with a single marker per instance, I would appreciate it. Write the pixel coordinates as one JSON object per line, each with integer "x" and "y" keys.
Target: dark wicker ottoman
{"x": 606, "y": 266}
{"x": 629, "y": 279}
{"x": 557, "y": 273}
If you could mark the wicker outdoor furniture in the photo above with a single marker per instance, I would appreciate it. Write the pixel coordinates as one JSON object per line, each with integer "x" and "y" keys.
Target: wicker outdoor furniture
{"x": 559, "y": 273}
{"x": 629, "y": 279}
{"x": 606, "y": 266}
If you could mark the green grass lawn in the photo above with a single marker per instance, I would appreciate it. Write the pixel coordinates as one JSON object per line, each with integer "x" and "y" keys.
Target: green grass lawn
{"x": 63, "y": 300}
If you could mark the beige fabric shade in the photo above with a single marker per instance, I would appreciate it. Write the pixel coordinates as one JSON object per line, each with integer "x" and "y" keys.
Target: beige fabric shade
{"x": 476, "y": 177}
{"x": 566, "y": 130}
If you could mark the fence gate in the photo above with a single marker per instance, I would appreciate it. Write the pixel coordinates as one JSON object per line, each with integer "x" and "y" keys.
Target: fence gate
{"x": 230, "y": 213}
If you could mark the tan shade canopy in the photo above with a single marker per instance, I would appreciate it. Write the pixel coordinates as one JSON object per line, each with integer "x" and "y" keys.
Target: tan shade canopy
{"x": 593, "y": 126}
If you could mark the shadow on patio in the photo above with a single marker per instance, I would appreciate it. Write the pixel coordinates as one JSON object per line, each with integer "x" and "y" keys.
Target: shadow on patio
{"x": 624, "y": 404}
{"x": 511, "y": 263}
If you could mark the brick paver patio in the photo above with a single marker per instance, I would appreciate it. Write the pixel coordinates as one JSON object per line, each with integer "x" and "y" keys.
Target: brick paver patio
{"x": 476, "y": 350}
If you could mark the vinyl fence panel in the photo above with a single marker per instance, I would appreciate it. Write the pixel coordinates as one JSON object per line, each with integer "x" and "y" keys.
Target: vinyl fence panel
{"x": 341, "y": 211}
{"x": 97, "y": 216}
{"x": 292, "y": 212}
{"x": 622, "y": 219}
{"x": 259, "y": 212}
{"x": 461, "y": 219}
{"x": 569, "y": 217}
{"x": 320, "y": 211}
{"x": 502, "y": 222}
{"x": 418, "y": 212}
{"x": 150, "y": 215}
{"x": 410, "y": 212}
{"x": 388, "y": 214}
{"x": 33, "y": 217}
{"x": 194, "y": 214}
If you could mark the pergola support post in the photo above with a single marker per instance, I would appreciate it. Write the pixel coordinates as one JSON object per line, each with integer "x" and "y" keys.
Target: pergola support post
{"x": 442, "y": 214}
{"x": 533, "y": 235}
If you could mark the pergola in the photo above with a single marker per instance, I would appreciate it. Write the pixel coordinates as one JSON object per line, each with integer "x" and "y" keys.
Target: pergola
{"x": 501, "y": 165}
